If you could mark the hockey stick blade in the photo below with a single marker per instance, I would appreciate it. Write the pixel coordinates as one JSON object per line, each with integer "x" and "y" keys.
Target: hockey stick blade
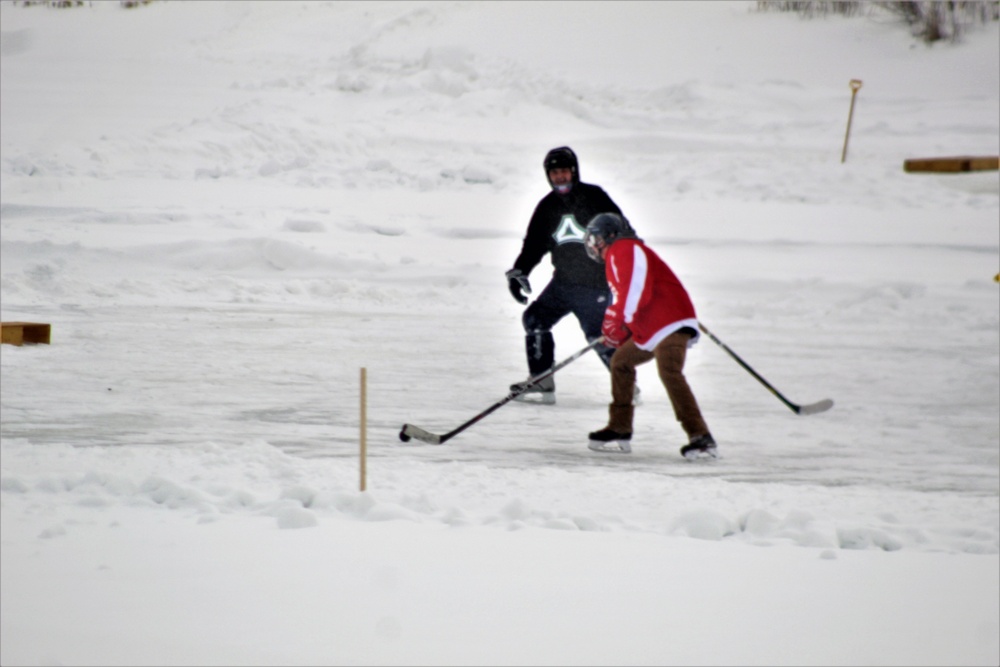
{"x": 811, "y": 409}
{"x": 815, "y": 408}
{"x": 411, "y": 431}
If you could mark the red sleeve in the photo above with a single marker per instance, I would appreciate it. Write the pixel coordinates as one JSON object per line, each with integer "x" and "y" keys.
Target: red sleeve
{"x": 618, "y": 270}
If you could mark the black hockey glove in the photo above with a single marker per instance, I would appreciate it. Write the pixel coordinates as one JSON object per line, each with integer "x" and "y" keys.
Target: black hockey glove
{"x": 517, "y": 281}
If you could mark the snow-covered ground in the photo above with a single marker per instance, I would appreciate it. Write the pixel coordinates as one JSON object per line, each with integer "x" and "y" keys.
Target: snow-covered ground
{"x": 227, "y": 210}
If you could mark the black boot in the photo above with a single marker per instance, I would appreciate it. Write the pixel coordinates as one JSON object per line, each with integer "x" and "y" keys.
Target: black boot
{"x": 607, "y": 440}
{"x": 617, "y": 435}
{"x": 702, "y": 446}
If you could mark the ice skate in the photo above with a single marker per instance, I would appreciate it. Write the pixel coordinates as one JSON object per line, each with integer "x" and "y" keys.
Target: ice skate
{"x": 701, "y": 447}
{"x": 543, "y": 392}
{"x": 610, "y": 441}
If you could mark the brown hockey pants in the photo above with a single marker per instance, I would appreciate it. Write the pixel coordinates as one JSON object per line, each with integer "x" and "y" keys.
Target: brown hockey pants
{"x": 669, "y": 355}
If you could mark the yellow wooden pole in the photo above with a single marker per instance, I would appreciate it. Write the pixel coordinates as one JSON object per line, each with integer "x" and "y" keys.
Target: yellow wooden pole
{"x": 364, "y": 426}
{"x": 855, "y": 87}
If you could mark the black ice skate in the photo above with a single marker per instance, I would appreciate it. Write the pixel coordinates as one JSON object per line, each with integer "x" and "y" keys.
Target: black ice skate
{"x": 610, "y": 441}
{"x": 701, "y": 447}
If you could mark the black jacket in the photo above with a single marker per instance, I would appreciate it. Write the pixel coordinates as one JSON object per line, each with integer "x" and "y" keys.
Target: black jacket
{"x": 557, "y": 226}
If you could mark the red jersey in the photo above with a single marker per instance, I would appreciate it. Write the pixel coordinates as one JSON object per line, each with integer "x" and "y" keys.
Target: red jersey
{"x": 648, "y": 297}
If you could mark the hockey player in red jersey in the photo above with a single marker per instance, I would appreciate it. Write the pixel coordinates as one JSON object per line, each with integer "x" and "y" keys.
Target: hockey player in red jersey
{"x": 651, "y": 317}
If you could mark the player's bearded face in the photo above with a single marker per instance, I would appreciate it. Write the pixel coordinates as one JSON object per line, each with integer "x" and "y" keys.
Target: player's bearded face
{"x": 561, "y": 178}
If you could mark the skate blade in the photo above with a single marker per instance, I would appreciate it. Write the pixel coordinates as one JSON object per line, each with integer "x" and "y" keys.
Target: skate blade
{"x": 610, "y": 447}
{"x": 537, "y": 398}
{"x": 702, "y": 454}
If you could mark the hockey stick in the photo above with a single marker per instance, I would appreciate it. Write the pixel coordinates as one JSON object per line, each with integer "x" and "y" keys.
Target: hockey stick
{"x": 410, "y": 431}
{"x": 811, "y": 409}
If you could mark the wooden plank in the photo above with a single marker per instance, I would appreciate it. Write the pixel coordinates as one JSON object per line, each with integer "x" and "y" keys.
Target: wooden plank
{"x": 19, "y": 333}
{"x": 952, "y": 164}
{"x": 12, "y": 335}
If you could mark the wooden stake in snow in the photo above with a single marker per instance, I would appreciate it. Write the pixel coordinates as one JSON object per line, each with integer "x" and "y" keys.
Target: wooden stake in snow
{"x": 364, "y": 426}
{"x": 855, "y": 87}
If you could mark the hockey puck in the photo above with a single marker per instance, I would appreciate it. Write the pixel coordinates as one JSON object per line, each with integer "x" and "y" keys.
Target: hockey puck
{"x": 403, "y": 436}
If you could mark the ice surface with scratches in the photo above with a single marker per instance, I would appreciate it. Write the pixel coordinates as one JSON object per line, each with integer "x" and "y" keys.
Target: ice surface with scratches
{"x": 226, "y": 210}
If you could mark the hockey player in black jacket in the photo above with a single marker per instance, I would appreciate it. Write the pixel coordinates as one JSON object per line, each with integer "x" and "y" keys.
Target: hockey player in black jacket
{"x": 578, "y": 283}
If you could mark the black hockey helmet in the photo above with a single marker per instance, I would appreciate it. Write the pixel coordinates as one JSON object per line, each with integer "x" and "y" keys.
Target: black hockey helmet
{"x": 603, "y": 230}
{"x": 562, "y": 158}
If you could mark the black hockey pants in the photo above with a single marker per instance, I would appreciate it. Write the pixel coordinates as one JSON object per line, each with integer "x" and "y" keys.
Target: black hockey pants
{"x": 556, "y": 301}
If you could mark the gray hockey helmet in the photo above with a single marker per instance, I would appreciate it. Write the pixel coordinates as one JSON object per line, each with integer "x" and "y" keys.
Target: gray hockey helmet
{"x": 603, "y": 230}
